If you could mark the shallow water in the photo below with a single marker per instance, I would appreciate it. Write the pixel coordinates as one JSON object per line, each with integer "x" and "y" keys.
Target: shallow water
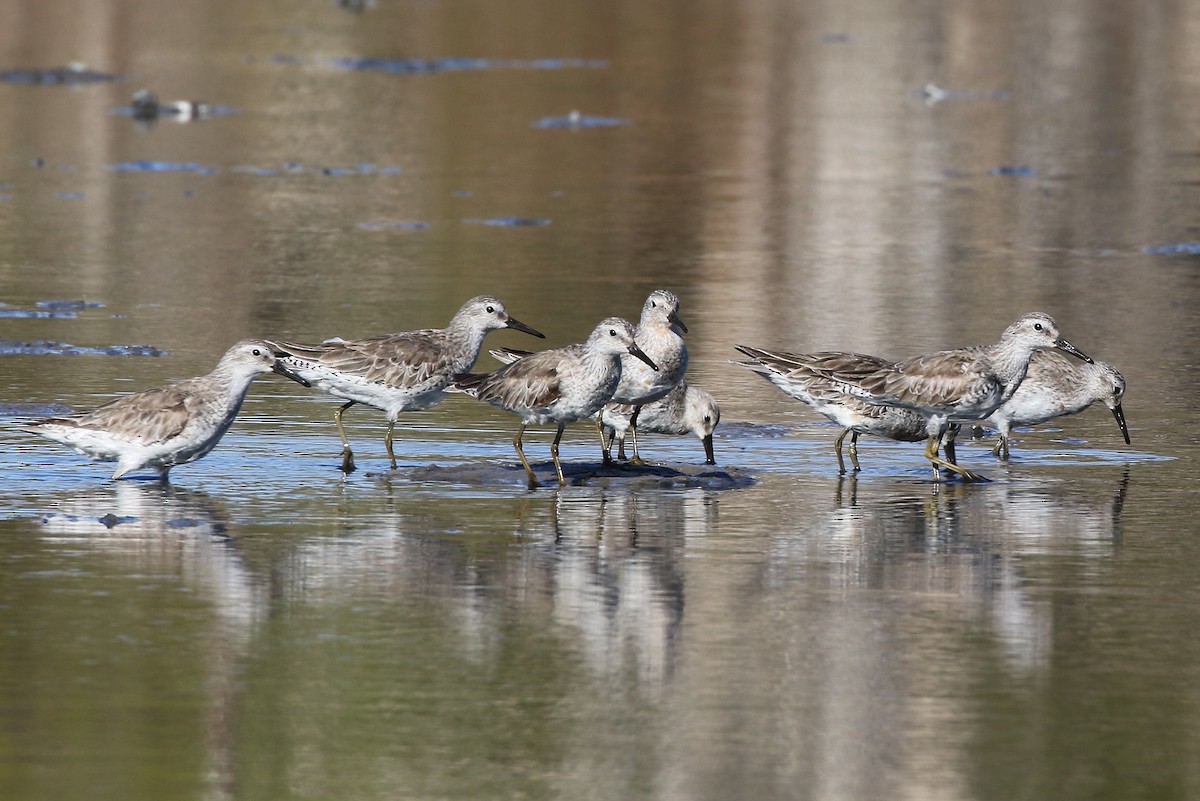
{"x": 840, "y": 176}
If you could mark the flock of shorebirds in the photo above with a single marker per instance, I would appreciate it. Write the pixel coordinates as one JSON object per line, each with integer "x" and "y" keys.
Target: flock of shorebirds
{"x": 626, "y": 378}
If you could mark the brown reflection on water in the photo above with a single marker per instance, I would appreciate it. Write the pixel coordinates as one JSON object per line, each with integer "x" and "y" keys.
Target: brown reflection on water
{"x": 883, "y": 613}
{"x": 856, "y": 216}
{"x": 118, "y": 547}
{"x": 705, "y": 642}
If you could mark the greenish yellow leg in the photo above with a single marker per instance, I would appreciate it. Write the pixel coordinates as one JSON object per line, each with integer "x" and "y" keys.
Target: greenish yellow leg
{"x": 533, "y": 482}
{"x": 931, "y": 453}
{"x": 637, "y": 458}
{"x": 347, "y": 454}
{"x": 387, "y": 441}
{"x": 854, "y": 452}
{"x": 837, "y": 445}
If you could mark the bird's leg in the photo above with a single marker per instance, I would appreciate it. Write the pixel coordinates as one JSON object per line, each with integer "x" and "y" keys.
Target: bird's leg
{"x": 854, "y": 452}
{"x": 948, "y": 449}
{"x": 387, "y": 441}
{"x": 347, "y": 454}
{"x": 931, "y": 453}
{"x": 637, "y": 459}
{"x": 533, "y": 482}
{"x": 562, "y": 481}
{"x": 605, "y": 442}
{"x": 837, "y": 445}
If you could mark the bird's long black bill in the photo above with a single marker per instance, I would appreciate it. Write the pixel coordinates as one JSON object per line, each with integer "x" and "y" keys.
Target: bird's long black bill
{"x": 674, "y": 318}
{"x": 1119, "y": 413}
{"x": 283, "y": 371}
{"x": 708, "y": 450}
{"x": 636, "y": 351}
{"x": 513, "y": 322}
{"x": 1067, "y": 347}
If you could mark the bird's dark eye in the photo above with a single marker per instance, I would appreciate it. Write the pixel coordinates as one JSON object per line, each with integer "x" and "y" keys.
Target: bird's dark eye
{"x": 257, "y": 352}
{"x": 1037, "y": 326}
{"x": 491, "y": 309}
{"x": 612, "y": 332}
{"x": 708, "y": 418}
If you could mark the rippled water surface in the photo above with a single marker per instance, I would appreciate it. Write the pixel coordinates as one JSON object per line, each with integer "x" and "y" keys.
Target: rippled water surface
{"x": 884, "y": 178}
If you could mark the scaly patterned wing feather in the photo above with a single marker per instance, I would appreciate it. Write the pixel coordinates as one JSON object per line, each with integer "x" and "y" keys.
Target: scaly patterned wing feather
{"x": 531, "y": 382}
{"x": 151, "y": 416}
{"x": 932, "y": 380}
{"x": 824, "y": 362}
{"x": 822, "y": 377}
{"x": 508, "y": 355}
{"x": 408, "y": 360}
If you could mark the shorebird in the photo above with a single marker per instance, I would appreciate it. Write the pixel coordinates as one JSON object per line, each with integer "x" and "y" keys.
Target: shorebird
{"x": 684, "y": 410}
{"x": 167, "y": 426}
{"x": 658, "y": 336}
{"x": 559, "y": 386}
{"x": 396, "y": 372}
{"x": 961, "y": 385}
{"x": 1055, "y": 386}
{"x": 802, "y": 376}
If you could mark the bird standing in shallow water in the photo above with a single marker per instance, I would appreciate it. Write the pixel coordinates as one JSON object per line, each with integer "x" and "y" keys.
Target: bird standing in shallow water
{"x": 1054, "y": 386}
{"x": 559, "y": 386}
{"x": 167, "y": 426}
{"x": 658, "y": 336}
{"x": 685, "y": 409}
{"x": 396, "y": 372}
{"x": 960, "y": 385}
{"x": 803, "y": 376}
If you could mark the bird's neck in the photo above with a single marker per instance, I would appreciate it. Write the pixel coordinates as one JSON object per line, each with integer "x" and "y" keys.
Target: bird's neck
{"x": 470, "y": 337}
{"x": 232, "y": 382}
{"x": 1010, "y": 363}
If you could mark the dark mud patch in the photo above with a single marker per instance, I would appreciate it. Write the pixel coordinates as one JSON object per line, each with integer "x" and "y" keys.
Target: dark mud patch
{"x": 394, "y": 225}
{"x": 1014, "y": 170}
{"x": 164, "y": 166}
{"x": 73, "y": 75}
{"x": 60, "y": 305}
{"x": 576, "y": 121}
{"x": 296, "y": 168}
{"x": 356, "y": 169}
{"x": 37, "y": 314}
{"x": 431, "y": 66}
{"x": 591, "y": 474}
{"x": 1174, "y": 249}
{"x": 33, "y": 410}
{"x": 510, "y": 222}
{"x": 16, "y": 347}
